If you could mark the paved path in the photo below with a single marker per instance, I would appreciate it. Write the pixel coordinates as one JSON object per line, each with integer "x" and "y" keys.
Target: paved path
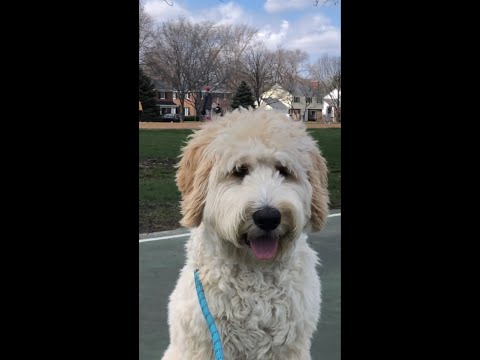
{"x": 162, "y": 257}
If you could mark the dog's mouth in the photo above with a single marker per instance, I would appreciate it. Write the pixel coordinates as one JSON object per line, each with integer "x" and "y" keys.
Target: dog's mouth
{"x": 263, "y": 247}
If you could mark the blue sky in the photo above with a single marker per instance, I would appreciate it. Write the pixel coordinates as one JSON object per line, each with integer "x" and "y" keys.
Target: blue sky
{"x": 292, "y": 24}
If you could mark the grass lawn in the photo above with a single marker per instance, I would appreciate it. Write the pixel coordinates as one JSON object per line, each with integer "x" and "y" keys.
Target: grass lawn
{"x": 159, "y": 197}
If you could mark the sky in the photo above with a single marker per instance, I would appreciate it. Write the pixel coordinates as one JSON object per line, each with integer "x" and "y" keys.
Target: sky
{"x": 292, "y": 24}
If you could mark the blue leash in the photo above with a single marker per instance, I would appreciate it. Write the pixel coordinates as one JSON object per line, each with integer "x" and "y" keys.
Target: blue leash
{"x": 217, "y": 342}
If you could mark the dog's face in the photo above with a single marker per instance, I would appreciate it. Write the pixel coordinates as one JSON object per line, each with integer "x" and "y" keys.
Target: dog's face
{"x": 256, "y": 179}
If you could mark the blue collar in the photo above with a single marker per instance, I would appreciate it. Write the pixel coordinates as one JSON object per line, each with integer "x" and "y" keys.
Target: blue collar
{"x": 217, "y": 342}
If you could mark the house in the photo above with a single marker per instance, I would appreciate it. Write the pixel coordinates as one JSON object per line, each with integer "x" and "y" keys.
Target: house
{"x": 165, "y": 99}
{"x": 277, "y": 98}
{"x": 302, "y": 102}
{"x": 334, "y": 100}
{"x": 168, "y": 100}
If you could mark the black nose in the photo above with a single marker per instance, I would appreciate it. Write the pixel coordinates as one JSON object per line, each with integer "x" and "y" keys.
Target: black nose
{"x": 267, "y": 218}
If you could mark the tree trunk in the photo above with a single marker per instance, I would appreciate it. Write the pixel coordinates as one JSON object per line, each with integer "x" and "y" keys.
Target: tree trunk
{"x": 182, "y": 106}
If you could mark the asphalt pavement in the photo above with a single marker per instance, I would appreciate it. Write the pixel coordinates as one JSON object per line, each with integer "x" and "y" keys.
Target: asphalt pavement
{"x": 162, "y": 256}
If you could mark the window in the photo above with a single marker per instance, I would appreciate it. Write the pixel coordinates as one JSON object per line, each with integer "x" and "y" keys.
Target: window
{"x": 161, "y": 94}
{"x": 296, "y": 99}
{"x": 187, "y": 111}
{"x": 308, "y": 99}
{"x": 174, "y": 95}
{"x": 187, "y": 96}
{"x": 319, "y": 100}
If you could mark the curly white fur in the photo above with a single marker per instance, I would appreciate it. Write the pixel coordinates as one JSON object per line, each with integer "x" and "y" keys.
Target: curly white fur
{"x": 263, "y": 309}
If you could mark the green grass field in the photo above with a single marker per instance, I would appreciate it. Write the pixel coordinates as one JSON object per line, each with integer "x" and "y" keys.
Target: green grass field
{"x": 158, "y": 195}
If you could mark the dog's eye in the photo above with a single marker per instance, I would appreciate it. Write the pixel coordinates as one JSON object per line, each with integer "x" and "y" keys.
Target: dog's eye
{"x": 284, "y": 171}
{"x": 240, "y": 171}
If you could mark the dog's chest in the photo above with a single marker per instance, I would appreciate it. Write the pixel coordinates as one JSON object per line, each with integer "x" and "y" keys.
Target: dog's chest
{"x": 255, "y": 313}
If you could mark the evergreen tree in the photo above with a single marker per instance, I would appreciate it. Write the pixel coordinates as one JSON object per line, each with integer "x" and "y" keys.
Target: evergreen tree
{"x": 146, "y": 90}
{"x": 243, "y": 96}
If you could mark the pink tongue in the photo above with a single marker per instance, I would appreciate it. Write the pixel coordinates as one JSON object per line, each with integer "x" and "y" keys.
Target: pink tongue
{"x": 264, "y": 248}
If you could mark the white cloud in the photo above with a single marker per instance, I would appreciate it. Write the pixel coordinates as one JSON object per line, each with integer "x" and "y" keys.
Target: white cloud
{"x": 160, "y": 11}
{"x": 317, "y": 43}
{"x": 273, "y": 6}
{"x": 224, "y": 14}
{"x": 272, "y": 38}
{"x": 312, "y": 35}
{"x": 320, "y": 19}
{"x": 316, "y": 35}
{"x": 229, "y": 13}
{"x": 312, "y": 32}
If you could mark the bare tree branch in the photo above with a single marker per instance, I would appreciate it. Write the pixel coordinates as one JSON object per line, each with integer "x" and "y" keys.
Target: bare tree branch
{"x": 327, "y": 71}
{"x": 256, "y": 70}
{"x": 190, "y": 56}
{"x": 308, "y": 89}
{"x": 146, "y": 34}
{"x": 289, "y": 70}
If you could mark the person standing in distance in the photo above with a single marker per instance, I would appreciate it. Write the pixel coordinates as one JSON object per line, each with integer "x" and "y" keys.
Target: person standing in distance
{"x": 207, "y": 104}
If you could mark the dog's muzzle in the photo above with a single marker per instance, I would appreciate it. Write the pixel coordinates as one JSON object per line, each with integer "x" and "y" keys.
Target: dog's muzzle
{"x": 265, "y": 245}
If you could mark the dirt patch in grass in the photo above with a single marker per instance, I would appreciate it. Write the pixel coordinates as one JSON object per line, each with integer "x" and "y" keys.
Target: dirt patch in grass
{"x": 149, "y": 163}
{"x": 158, "y": 217}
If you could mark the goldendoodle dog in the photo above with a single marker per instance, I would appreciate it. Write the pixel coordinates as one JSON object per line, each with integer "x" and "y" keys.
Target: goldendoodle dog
{"x": 253, "y": 183}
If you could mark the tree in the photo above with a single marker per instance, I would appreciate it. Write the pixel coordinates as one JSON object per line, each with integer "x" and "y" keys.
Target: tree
{"x": 307, "y": 89}
{"x": 243, "y": 96}
{"x": 256, "y": 69}
{"x": 146, "y": 93}
{"x": 328, "y": 72}
{"x": 239, "y": 37}
{"x": 174, "y": 56}
{"x": 221, "y": 70}
{"x": 145, "y": 33}
{"x": 188, "y": 56}
{"x": 288, "y": 67}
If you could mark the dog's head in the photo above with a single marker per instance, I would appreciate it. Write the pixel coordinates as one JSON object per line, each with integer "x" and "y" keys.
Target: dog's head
{"x": 256, "y": 179}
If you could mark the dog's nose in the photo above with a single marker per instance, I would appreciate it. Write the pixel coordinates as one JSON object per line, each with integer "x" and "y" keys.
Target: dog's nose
{"x": 267, "y": 218}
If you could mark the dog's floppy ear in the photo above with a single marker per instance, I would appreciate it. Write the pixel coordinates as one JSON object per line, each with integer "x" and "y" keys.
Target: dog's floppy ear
{"x": 192, "y": 179}
{"x": 317, "y": 175}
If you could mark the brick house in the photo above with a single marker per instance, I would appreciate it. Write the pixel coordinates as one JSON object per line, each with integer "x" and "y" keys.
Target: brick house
{"x": 165, "y": 100}
{"x": 169, "y": 103}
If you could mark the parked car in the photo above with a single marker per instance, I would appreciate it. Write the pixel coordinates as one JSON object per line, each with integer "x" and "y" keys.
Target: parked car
{"x": 170, "y": 117}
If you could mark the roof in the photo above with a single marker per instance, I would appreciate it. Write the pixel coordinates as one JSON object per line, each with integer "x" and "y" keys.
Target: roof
{"x": 299, "y": 89}
{"x": 276, "y": 104}
{"x": 167, "y": 103}
{"x": 161, "y": 86}
{"x": 333, "y": 94}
